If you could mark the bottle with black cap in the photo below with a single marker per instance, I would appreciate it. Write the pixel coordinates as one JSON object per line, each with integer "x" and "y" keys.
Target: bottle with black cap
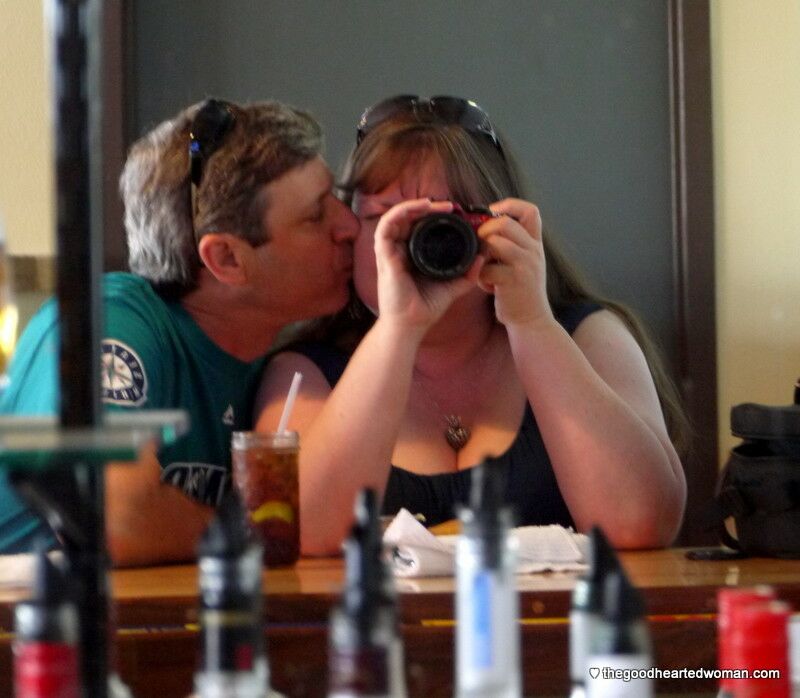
{"x": 621, "y": 654}
{"x": 487, "y": 604}
{"x": 46, "y": 636}
{"x": 232, "y": 659}
{"x": 587, "y": 607}
{"x": 365, "y": 655}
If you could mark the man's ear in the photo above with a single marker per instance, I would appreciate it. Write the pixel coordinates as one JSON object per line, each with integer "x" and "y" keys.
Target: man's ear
{"x": 223, "y": 255}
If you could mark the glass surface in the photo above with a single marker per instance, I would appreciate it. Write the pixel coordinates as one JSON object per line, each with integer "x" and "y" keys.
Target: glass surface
{"x": 33, "y": 443}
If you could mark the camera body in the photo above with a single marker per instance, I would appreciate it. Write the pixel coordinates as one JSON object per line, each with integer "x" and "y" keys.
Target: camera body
{"x": 442, "y": 246}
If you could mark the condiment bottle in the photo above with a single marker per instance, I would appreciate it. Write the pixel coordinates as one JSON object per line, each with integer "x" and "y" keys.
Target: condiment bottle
{"x": 487, "y": 603}
{"x": 759, "y": 641}
{"x": 587, "y": 607}
{"x": 621, "y": 653}
{"x": 365, "y": 655}
{"x": 232, "y": 659}
{"x": 46, "y": 637}
{"x": 729, "y": 601}
{"x": 794, "y": 654}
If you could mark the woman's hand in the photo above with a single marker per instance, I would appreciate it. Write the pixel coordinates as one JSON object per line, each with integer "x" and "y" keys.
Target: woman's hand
{"x": 418, "y": 302}
{"x": 515, "y": 266}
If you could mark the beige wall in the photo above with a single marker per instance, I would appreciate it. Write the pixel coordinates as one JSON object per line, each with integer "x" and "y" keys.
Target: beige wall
{"x": 756, "y": 102}
{"x": 26, "y": 206}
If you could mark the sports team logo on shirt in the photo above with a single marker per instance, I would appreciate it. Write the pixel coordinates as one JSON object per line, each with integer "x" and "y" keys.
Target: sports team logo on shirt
{"x": 204, "y": 482}
{"x": 124, "y": 380}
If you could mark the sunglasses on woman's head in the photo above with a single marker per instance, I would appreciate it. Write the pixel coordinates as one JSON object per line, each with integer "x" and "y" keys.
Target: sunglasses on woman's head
{"x": 447, "y": 110}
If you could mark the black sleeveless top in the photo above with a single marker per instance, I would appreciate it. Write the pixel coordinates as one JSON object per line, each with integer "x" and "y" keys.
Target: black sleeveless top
{"x": 532, "y": 487}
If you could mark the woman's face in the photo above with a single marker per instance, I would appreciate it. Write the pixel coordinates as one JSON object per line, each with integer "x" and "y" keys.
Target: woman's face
{"x": 419, "y": 180}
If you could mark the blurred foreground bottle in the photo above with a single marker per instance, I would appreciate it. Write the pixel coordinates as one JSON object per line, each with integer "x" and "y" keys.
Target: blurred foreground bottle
{"x": 487, "y": 604}
{"x": 729, "y": 601}
{"x": 8, "y": 311}
{"x": 620, "y": 654}
{"x": 232, "y": 659}
{"x": 587, "y": 608}
{"x": 365, "y": 652}
{"x": 758, "y": 641}
{"x": 46, "y": 637}
{"x": 794, "y": 654}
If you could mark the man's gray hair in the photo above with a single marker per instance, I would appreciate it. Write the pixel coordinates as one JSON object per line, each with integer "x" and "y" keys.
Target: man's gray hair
{"x": 267, "y": 140}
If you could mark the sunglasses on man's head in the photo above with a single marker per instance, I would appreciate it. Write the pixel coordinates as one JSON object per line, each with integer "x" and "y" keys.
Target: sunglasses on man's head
{"x": 212, "y": 122}
{"x": 447, "y": 110}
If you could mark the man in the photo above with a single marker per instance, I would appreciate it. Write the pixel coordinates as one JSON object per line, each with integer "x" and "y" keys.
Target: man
{"x": 233, "y": 232}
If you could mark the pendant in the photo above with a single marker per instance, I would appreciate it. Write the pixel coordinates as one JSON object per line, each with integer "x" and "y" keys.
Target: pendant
{"x": 456, "y": 433}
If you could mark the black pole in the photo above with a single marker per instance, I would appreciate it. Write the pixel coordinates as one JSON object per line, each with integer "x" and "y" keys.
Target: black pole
{"x": 75, "y": 27}
{"x": 77, "y": 274}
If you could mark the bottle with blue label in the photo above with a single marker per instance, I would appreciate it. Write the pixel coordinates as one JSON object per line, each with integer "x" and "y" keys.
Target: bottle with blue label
{"x": 487, "y": 603}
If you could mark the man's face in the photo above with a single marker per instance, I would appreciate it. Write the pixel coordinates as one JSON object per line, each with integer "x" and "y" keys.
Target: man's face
{"x": 306, "y": 265}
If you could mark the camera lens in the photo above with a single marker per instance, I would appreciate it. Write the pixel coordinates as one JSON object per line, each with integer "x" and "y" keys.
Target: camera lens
{"x": 442, "y": 246}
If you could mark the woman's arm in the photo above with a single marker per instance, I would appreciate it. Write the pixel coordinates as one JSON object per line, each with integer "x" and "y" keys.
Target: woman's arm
{"x": 347, "y": 434}
{"x": 600, "y": 419}
{"x": 592, "y": 394}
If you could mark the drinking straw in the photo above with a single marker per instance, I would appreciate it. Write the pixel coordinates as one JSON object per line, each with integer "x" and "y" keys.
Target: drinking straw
{"x": 290, "y": 398}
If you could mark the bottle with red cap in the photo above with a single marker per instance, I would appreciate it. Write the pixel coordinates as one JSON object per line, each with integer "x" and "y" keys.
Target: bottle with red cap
{"x": 728, "y": 601}
{"x": 753, "y": 636}
{"x": 46, "y": 637}
{"x": 759, "y": 642}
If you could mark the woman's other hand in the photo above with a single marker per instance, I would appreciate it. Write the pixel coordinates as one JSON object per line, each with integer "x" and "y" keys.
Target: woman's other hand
{"x": 514, "y": 270}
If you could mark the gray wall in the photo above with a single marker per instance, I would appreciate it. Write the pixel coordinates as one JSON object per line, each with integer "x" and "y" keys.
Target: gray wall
{"x": 579, "y": 87}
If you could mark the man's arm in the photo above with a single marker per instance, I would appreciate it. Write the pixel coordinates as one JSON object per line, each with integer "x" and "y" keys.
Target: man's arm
{"x": 148, "y": 522}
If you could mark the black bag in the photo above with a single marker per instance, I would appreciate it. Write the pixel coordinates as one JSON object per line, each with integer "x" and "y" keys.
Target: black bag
{"x": 760, "y": 484}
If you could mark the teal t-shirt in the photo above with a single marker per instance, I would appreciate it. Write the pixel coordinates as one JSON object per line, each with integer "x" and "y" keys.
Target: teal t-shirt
{"x": 154, "y": 356}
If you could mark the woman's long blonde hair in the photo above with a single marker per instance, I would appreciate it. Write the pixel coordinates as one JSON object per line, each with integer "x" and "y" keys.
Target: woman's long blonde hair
{"x": 478, "y": 173}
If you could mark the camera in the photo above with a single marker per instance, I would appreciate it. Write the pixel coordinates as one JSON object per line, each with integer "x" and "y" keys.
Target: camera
{"x": 442, "y": 246}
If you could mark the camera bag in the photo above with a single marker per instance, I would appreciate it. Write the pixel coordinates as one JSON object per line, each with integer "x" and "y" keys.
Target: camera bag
{"x": 760, "y": 483}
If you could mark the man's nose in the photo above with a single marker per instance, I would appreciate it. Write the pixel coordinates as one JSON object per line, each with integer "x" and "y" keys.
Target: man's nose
{"x": 347, "y": 224}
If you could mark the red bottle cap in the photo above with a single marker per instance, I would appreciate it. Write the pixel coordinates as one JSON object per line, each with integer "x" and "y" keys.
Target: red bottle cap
{"x": 728, "y": 600}
{"x": 758, "y": 642}
{"x": 45, "y": 670}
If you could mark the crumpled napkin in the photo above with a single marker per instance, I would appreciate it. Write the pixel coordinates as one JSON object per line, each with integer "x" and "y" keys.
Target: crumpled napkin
{"x": 419, "y": 553}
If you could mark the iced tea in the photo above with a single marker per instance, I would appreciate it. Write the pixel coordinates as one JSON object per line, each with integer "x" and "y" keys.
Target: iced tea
{"x": 265, "y": 475}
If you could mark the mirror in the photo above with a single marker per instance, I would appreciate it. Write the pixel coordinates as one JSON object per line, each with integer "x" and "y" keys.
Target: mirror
{"x": 582, "y": 91}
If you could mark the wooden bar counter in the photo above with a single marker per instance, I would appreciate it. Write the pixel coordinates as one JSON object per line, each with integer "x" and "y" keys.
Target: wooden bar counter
{"x": 157, "y": 636}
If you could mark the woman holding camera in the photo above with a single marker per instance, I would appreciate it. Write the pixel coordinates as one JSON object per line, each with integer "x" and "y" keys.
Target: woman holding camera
{"x": 514, "y": 359}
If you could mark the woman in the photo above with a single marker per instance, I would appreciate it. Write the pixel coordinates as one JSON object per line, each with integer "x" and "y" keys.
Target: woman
{"x": 515, "y": 359}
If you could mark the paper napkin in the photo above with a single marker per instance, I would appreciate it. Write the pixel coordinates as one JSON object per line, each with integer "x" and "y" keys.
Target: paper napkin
{"x": 416, "y": 552}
